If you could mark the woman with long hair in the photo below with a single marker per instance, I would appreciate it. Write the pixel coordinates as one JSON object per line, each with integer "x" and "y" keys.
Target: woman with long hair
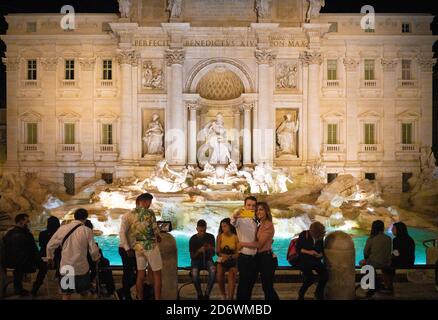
{"x": 226, "y": 248}
{"x": 265, "y": 260}
{"x": 403, "y": 254}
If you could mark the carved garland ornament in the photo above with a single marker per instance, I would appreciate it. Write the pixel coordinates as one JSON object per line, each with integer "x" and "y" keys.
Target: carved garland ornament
{"x": 311, "y": 57}
{"x": 175, "y": 56}
{"x": 265, "y": 56}
{"x": 351, "y": 64}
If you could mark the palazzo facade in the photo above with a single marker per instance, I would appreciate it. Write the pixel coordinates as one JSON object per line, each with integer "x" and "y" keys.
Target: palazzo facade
{"x": 280, "y": 82}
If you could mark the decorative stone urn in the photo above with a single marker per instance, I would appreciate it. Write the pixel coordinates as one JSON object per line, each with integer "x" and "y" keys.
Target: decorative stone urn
{"x": 340, "y": 259}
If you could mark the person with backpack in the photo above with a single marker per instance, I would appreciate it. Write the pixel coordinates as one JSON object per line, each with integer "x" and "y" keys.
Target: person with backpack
{"x": 309, "y": 258}
{"x": 22, "y": 255}
{"x": 75, "y": 240}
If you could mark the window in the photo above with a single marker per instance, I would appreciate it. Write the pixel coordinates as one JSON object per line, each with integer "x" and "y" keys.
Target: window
{"x": 332, "y": 133}
{"x": 69, "y": 133}
{"x": 370, "y": 30}
{"x": 31, "y": 27}
{"x": 69, "y": 69}
{"x": 107, "y": 69}
{"x": 31, "y": 69}
{"x": 333, "y": 27}
{"x": 406, "y": 69}
{"x": 405, "y": 181}
{"x": 369, "y": 69}
{"x": 406, "y": 133}
{"x": 331, "y": 177}
{"x": 69, "y": 183}
{"x": 31, "y": 133}
{"x": 406, "y": 27}
{"x": 107, "y": 177}
{"x": 370, "y": 176}
{"x": 370, "y": 133}
{"x": 107, "y": 134}
{"x": 332, "y": 69}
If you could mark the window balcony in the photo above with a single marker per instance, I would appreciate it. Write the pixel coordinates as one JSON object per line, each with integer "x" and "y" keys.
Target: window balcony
{"x": 30, "y": 152}
{"x": 407, "y": 152}
{"x": 68, "y": 83}
{"x": 408, "y": 148}
{"x": 68, "y": 152}
{"x": 31, "y": 84}
{"x": 106, "y": 83}
{"x": 333, "y": 148}
{"x": 30, "y": 147}
{"x": 107, "y": 148}
{"x": 332, "y": 83}
{"x": 370, "y": 148}
{"x": 407, "y": 83}
{"x": 370, "y": 83}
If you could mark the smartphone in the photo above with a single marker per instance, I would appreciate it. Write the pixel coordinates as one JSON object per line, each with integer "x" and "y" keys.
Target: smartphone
{"x": 247, "y": 214}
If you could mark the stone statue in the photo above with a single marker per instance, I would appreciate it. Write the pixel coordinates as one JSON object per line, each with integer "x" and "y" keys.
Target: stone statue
{"x": 281, "y": 182}
{"x": 286, "y": 78}
{"x": 314, "y": 9}
{"x": 174, "y": 8}
{"x": 153, "y": 136}
{"x": 286, "y": 136}
{"x": 263, "y": 8}
{"x": 216, "y": 149}
{"x": 152, "y": 77}
{"x": 168, "y": 180}
{"x": 125, "y": 8}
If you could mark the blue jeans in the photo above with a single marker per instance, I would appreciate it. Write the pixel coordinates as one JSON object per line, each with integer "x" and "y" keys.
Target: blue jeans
{"x": 197, "y": 266}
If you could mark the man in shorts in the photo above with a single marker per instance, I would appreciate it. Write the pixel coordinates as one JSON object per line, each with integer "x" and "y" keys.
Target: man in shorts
{"x": 143, "y": 225}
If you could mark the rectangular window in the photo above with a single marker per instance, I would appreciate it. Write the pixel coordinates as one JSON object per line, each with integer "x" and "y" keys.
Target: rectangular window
{"x": 32, "y": 133}
{"x": 332, "y": 133}
{"x": 31, "y": 69}
{"x": 369, "y": 69}
{"x": 331, "y": 177}
{"x": 370, "y": 176}
{"x": 69, "y": 133}
{"x": 69, "y": 183}
{"x": 69, "y": 69}
{"x": 370, "y": 30}
{"x": 107, "y": 69}
{"x": 332, "y": 69}
{"x": 406, "y": 70}
{"x": 370, "y": 133}
{"x": 405, "y": 181}
{"x": 107, "y": 177}
{"x": 406, "y": 27}
{"x": 107, "y": 134}
{"x": 406, "y": 133}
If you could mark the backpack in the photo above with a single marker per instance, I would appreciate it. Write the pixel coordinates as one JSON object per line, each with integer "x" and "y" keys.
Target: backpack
{"x": 292, "y": 253}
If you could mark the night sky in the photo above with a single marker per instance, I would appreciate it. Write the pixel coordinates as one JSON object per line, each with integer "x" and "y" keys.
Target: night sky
{"x": 332, "y": 6}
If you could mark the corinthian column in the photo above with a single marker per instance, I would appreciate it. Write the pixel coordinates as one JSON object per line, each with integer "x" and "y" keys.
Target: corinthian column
{"x": 125, "y": 58}
{"x": 193, "y": 107}
{"x": 247, "y": 133}
{"x": 264, "y": 135}
{"x": 313, "y": 59}
{"x": 175, "y": 135}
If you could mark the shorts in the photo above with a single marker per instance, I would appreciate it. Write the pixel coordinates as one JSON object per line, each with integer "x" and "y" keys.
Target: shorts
{"x": 152, "y": 257}
{"x": 79, "y": 284}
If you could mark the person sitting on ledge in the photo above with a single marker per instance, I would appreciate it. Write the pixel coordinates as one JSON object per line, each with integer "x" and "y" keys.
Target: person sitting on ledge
{"x": 403, "y": 254}
{"x": 377, "y": 252}
{"x": 202, "y": 248}
{"x": 310, "y": 248}
{"x": 22, "y": 255}
{"x": 226, "y": 248}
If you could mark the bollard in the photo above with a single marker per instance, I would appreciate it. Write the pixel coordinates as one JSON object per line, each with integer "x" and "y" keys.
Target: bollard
{"x": 169, "y": 273}
{"x": 340, "y": 260}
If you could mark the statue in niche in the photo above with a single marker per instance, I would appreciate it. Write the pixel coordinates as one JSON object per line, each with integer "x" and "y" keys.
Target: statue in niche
{"x": 286, "y": 78}
{"x": 152, "y": 77}
{"x": 287, "y": 136}
{"x": 174, "y": 8}
{"x": 166, "y": 179}
{"x": 314, "y": 9}
{"x": 263, "y": 8}
{"x": 125, "y": 8}
{"x": 216, "y": 149}
{"x": 153, "y": 136}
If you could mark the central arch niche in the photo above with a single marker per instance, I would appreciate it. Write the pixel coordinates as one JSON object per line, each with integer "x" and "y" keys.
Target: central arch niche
{"x": 220, "y": 84}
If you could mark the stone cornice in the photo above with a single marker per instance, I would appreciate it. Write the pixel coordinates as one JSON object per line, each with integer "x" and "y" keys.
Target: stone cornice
{"x": 175, "y": 56}
{"x": 351, "y": 64}
{"x": 265, "y": 56}
{"x": 389, "y": 65}
{"x": 311, "y": 57}
{"x": 12, "y": 64}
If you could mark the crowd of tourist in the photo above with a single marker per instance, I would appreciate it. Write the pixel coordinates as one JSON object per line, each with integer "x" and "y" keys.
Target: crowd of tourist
{"x": 243, "y": 250}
